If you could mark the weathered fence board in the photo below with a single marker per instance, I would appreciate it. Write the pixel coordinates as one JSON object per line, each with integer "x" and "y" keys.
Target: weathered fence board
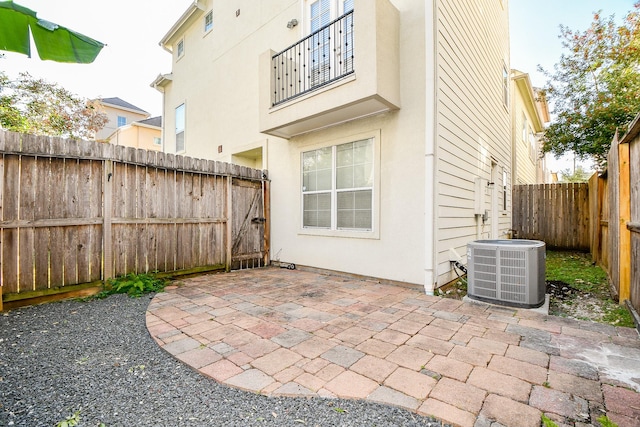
{"x": 632, "y": 141}
{"x": 557, "y": 214}
{"x": 77, "y": 212}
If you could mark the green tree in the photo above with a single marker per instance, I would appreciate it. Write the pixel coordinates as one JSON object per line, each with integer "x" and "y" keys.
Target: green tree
{"x": 595, "y": 88}
{"x": 35, "y": 106}
{"x": 578, "y": 175}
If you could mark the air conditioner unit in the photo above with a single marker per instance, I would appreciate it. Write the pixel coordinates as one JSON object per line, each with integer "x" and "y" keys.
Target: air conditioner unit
{"x": 507, "y": 272}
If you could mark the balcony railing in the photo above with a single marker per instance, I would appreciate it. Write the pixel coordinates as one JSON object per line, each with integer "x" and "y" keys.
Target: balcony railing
{"x": 317, "y": 60}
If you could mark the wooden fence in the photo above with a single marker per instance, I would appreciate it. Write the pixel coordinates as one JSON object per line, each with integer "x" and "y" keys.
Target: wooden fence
{"x": 557, "y": 214}
{"x": 75, "y": 213}
{"x": 633, "y": 139}
{"x": 616, "y": 234}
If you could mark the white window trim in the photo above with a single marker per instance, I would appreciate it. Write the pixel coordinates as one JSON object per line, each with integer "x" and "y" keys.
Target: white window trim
{"x": 184, "y": 131}
{"x": 506, "y": 79}
{"x": 178, "y": 54}
{"x": 375, "y": 221}
{"x": 204, "y": 22}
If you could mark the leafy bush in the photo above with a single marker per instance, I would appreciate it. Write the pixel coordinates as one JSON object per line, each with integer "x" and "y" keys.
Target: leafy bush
{"x": 134, "y": 285}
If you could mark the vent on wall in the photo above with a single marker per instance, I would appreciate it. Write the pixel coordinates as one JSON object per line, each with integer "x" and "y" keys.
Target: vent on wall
{"x": 507, "y": 272}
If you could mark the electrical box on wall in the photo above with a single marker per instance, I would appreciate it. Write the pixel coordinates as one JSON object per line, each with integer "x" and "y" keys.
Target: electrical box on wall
{"x": 480, "y": 195}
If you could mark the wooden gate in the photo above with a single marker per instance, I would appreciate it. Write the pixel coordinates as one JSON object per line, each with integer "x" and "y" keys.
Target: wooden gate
{"x": 248, "y": 225}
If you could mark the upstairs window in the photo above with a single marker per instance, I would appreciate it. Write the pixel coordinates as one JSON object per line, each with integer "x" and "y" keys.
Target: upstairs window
{"x": 122, "y": 121}
{"x": 157, "y": 141}
{"x": 180, "y": 51}
{"x": 208, "y": 21}
{"x": 180, "y": 122}
{"x": 505, "y": 87}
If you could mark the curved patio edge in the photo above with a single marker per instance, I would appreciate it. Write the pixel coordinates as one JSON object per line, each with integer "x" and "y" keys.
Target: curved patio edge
{"x": 304, "y": 334}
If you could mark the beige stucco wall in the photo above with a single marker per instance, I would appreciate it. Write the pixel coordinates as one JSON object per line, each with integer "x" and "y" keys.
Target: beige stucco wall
{"x": 429, "y": 151}
{"x": 112, "y": 123}
{"x": 137, "y": 136}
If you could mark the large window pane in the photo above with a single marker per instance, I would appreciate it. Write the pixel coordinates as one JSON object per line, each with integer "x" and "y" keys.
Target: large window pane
{"x": 354, "y": 210}
{"x": 354, "y": 164}
{"x": 316, "y": 170}
{"x": 180, "y": 124}
{"x": 317, "y": 210}
{"x": 343, "y": 175}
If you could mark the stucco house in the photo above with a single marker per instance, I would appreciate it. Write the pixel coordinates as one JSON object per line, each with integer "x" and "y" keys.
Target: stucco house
{"x": 120, "y": 113}
{"x": 145, "y": 134}
{"x": 530, "y": 113}
{"x": 384, "y": 125}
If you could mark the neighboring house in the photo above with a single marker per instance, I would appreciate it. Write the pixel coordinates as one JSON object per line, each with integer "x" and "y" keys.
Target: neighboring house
{"x": 146, "y": 134}
{"x": 384, "y": 125}
{"x": 120, "y": 113}
{"x": 529, "y": 115}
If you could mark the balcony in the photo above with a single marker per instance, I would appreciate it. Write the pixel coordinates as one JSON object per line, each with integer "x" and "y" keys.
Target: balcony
{"x": 346, "y": 70}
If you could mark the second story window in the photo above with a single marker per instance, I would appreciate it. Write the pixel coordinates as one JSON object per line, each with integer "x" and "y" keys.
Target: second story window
{"x": 157, "y": 141}
{"x": 505, "y": 87}
{"x": 208, "y": 21}
{"x": 180, "y": 122}
{"x": 122, "y": 121}
{"x": 180, "y": 51}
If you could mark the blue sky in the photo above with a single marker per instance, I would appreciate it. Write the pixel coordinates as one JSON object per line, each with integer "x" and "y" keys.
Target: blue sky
{"x": 535, "y": 26}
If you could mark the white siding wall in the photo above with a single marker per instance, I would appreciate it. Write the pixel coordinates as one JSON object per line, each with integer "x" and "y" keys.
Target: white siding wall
{"x": 473, "y": 124}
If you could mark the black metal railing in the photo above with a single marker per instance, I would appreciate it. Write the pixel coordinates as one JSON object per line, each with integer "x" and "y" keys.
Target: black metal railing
{"x": 317, "y": 60}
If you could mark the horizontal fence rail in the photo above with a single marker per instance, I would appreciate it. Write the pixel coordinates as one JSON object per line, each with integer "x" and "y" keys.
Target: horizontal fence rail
{"x": 78, "y": 212}
{"x": 324, "y": 56}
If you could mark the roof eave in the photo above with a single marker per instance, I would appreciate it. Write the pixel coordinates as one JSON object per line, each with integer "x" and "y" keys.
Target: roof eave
{"x": 196, "y": 6}
{"x": 524, "y": 85}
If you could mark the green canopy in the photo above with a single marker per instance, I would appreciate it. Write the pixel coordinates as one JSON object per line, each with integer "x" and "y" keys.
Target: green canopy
{"x": 53, "y": 42}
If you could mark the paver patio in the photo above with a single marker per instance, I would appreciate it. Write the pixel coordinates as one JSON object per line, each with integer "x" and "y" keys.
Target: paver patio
{"x": 300, "y": 333}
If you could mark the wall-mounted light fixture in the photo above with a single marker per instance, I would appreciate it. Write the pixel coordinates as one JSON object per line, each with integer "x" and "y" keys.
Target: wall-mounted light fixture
{"x": 292, "y": 23}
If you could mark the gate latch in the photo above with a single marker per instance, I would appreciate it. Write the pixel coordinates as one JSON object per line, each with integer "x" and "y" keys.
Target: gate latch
{"x": 259, "y": 220}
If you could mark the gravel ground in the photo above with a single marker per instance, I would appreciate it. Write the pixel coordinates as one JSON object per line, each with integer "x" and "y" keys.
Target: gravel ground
{"x": 97, "y": 358}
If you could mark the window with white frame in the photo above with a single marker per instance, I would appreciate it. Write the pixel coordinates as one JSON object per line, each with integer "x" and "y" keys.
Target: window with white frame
{"x": 525, "y": 128}
{"x": 180, "y": 122}
{"x": 157, "y": 141}
{"x": 337, "y": 187}
{"x": 180, "y": 49}
{"x": 532, "y": 144}
{"x": 505, "y": 86}
{"x": 208, "y": 21}
{"x": 122, "y": 121}
{"x": 504, "y": 189}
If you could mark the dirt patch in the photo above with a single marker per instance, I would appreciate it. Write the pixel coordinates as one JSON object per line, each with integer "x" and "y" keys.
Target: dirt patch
{"x": 582, "y": 300}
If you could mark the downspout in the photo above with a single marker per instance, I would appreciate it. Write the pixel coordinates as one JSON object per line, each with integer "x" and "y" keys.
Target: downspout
{"x": 430, "y": 176}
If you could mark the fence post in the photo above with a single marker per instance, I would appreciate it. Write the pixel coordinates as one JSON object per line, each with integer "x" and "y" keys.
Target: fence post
{"x": 624, "y": 260}
{"x": 229, "y": 223}
{"x": 266, "y": 205}
{"x": 107, "y": 236}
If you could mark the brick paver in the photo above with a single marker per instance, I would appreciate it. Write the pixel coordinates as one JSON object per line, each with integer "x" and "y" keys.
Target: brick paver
{"x": 510, "y": 413}
{"x": 450, "y": 413}
{"x": 516, "y": 368}
{"x": 459, "y": 394}
{"x": 410, "y": 382}
{"x": 304, "y": 334}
